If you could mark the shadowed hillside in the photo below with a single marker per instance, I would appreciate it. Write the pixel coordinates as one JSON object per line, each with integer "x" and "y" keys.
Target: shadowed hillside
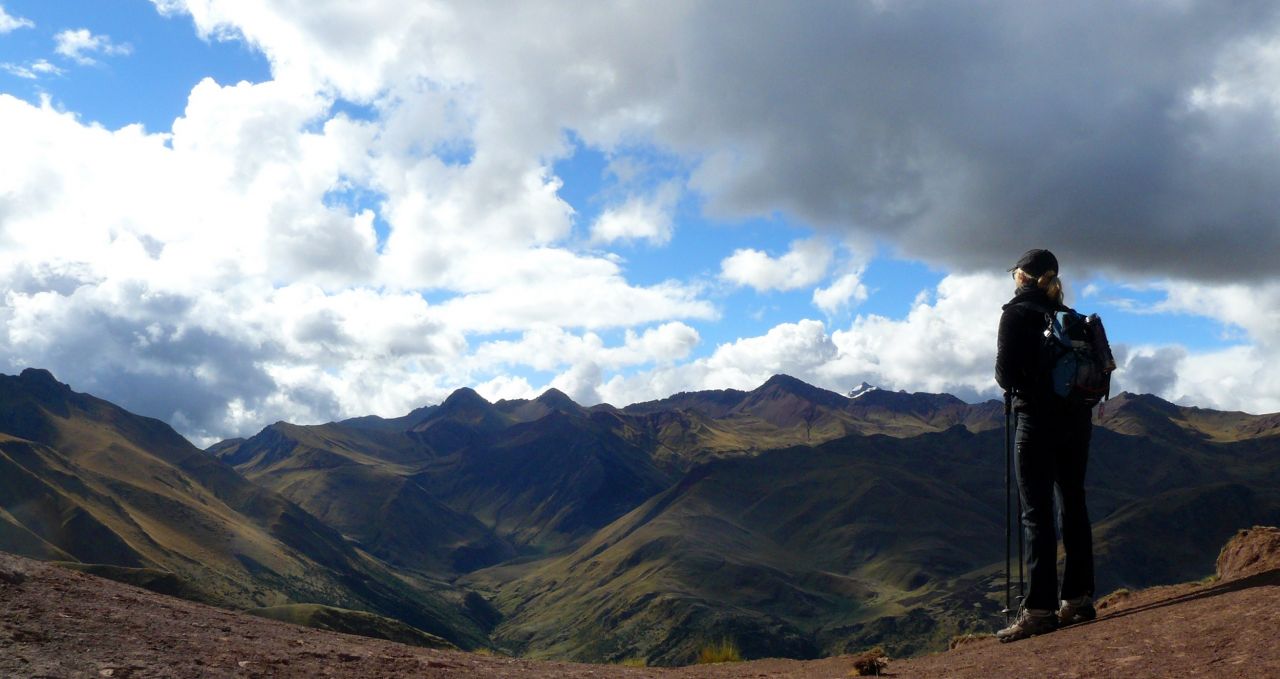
{"x": 83, "y": 480}
{"x": 863, "y": 541}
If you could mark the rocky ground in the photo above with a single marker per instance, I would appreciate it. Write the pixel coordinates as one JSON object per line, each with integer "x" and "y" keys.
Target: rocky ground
{"x": 60, "y": 623}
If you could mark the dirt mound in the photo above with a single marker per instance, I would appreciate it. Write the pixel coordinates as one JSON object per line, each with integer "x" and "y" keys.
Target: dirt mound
{"x": 1252, "y": 551}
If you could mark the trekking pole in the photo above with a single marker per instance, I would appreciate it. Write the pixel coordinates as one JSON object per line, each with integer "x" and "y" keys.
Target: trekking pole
{"x": 1022, "y": 581}
{"x": 1008, "y": 527}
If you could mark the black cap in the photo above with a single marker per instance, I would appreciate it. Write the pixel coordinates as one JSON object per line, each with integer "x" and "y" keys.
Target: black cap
{"x": 1037, "y": 262}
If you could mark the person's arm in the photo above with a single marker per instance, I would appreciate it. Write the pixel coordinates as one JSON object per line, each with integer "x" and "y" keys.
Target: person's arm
{"x": 1008, "y": 354}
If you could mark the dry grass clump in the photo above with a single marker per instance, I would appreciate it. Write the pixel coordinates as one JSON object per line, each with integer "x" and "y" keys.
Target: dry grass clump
{"x": 1113, "y": 598}
{"x": 724, "y": 650}
{"x": 966, "y": 639}
{"x": 634, "y": 662}
{"x": 869, "y": 663}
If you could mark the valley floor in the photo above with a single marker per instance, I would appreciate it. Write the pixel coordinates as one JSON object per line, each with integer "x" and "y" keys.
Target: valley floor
{"x": 59, "y": 623}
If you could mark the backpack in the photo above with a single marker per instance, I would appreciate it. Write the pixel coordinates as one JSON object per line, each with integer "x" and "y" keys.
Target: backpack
{"x": 1076, "y": 357}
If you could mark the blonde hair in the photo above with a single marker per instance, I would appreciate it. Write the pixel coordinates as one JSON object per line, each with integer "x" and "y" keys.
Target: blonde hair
{"x": 1048, "y": 281}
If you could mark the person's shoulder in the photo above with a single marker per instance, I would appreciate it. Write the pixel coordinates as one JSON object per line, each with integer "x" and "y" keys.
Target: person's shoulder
{"x": 1022, "y": 305}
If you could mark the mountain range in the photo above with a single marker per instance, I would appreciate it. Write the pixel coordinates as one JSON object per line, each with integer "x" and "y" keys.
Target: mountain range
{"x": 793, "y": 520}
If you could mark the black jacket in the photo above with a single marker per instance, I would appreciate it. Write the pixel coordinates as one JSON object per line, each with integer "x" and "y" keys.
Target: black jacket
{"x": 1018, "y": 347}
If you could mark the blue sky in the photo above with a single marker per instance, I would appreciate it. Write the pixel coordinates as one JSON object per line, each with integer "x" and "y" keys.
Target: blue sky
{"x": 336, "y": 210}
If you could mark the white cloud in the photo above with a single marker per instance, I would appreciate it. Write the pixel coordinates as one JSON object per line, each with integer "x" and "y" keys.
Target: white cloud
{"x": 78, "y": 44}
{"x": 550, "y": 348}
{"x": 218, "y": 283}
{"x": 1240, "y": 377}
{"x": 805, "y": 263}
{"x": 597, "y": 297}
{"x": 639, "y": 219}
{"x": 896, "y": 129}
{"x": 798, "y": 349}
{"x": 224, "y": 266}
{"x": 580, "y": 383}
{"x": 505, "y": 387}
{"x": 10, "y": 23}
{"x": 33, "y": 70}
{"x": 1235, "y": 378}
{"x": 846, "y": 291}
{"x": 946, "y": 343}
{"x": 1253, "y": 308}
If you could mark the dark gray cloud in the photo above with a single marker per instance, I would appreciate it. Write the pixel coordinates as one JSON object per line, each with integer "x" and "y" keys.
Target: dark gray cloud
{"x": 1155, "y": 372}
{"x": 147, "y": 356}
{"x": 967, "y": 132}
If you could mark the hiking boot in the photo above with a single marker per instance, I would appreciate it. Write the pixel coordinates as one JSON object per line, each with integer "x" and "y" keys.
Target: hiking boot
{"x": 1029, "y": 623}
{"x": 1077, "y": 610}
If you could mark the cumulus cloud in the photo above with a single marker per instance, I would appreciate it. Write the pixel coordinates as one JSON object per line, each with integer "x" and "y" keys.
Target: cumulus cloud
{"x": 804, "y": 263}
{"x": 78, "y": 44}
{"x": 221, "y": 282}
{"x": 945, "y": 344}
{"x": 638, "y": 218}
{"x": 1122, "y": 135}
{"x": 798, "y": 349}
{"x": 10, "y": 23}
{"x": 1255, "y": 309}
{"x": 1235, "y": 378}
{"x": 845, "y": 291}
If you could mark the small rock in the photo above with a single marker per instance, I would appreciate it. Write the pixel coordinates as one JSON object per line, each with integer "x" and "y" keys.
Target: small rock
{"x": 108, "y": 672}
{"x": 11, "y": 575}
{"x": 243, "y": 663}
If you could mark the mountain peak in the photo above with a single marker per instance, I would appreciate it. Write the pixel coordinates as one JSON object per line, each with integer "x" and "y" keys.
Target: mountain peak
{"x": 786, "y": 384}
{"x": 862, "y": 389}
{"x": 465, "y": 397}
{"x": 783, "y": 381}
{"x": 554, "y": 397}
{"x": 39, "y": 378}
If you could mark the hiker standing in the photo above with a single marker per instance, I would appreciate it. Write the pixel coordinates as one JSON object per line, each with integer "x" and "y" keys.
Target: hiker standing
{"x": 1052, "y": 450}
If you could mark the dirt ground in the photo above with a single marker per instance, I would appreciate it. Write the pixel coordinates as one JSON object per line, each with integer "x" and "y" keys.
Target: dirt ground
{"x": 59, "y": 623}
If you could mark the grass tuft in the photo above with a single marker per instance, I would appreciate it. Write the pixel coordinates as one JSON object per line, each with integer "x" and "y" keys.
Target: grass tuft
{"x": 869, "y": 663}
{"x": 966, "y": 639}
{"x": 1113, "y": 598}
{"x": 634, "y": 662}
{"x": 724, "y": 650}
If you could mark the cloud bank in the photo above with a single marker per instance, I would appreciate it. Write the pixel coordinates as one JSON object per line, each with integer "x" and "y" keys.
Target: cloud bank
{"x": 271, "y": 256}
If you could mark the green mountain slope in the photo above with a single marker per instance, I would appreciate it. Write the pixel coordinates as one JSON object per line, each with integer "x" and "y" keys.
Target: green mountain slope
{"x": 359, "y": 481}
{"x": 792, "y": 520}
{"x": 96, "y": 484}
{"x": 863, "y": 541}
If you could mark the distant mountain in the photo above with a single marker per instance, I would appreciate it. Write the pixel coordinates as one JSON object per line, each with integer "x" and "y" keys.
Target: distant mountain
{"x": 715, "y": 403}
{"x": 551, "y": 401}
{"x": 861, "y": 389}
{"x": 548, "y": 482}
{"x": 1147, "y": 415}
{"x": 862, "y": 541}
{"x": 84, "y": 480}
{"x": 358, "y": 480}
{"x": 791, "y": 519}
{"x": 784, "y": 552}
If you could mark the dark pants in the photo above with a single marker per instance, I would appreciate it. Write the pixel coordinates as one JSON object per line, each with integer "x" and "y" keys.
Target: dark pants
{"x": 1052, "y": 452}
